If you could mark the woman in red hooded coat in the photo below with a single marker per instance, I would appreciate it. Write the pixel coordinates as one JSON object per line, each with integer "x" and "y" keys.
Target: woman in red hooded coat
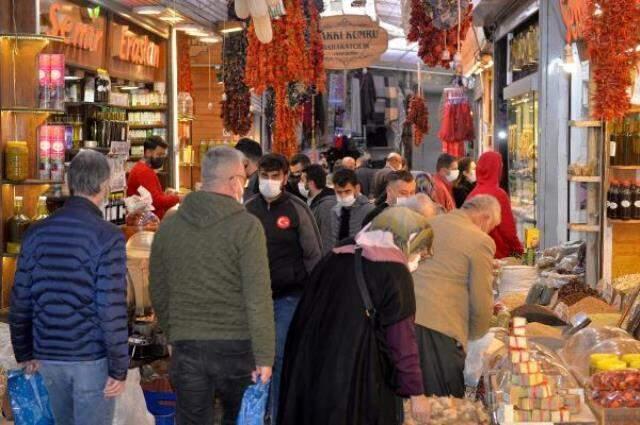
{"x": 488, "y": 172}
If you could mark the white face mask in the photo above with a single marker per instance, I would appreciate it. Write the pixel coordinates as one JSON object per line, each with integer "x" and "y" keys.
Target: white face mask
{"x": 453, "y": 175}
{"x": 303, "y": 190}
{"x": 270, "y": 188}
{"x": 347, "y": 201}
{"x": 402, "y": 200}
{"x": 240, "y": 194}
{"x": 472, "y": 176}
{"x": 413, "y": 262}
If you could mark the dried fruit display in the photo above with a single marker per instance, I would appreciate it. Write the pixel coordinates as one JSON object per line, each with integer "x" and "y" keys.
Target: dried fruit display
{"x": 418, "y": 116}
{"x": 616, "y": 381}
{"x": 236, "y": 108}
{"x": 612, "y": 37}
{"x": 185, "y": 84}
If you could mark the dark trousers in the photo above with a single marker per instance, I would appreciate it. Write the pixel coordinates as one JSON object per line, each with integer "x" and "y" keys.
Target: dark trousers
{"x": 201, "y": 370}
{"x": 442, "y": 362}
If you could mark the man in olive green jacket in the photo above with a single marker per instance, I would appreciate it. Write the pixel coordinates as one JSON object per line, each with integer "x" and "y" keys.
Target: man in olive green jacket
{"x": 211, "y": 291}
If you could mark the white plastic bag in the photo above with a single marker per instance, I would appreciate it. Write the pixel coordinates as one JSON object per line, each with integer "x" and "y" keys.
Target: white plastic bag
{"x": 131, "y": 409}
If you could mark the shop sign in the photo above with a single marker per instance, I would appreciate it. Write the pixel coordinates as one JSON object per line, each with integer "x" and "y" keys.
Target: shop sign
{"x": 352, "y": 41}
{"x": 66, "y": 21}
{"x": 133, "y": 48}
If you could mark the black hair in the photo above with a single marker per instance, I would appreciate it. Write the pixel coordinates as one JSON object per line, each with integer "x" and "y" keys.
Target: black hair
{"x": 403, "y": 175}
{"x": 273, "y": 162}
{"x": 300, "y": 158}
{"x": 463, "y": 165}
{"x": 345, "y": 176}
{"x": 152, "y": 142}
{"x": 316, "y": 174}
{"x": 444, "y": 161}
{"x": 250, "y": 148}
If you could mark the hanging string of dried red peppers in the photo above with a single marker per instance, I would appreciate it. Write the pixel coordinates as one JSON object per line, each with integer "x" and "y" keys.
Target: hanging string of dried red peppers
{"x": 612, "y": 36}
{"x": 236, "y": 108}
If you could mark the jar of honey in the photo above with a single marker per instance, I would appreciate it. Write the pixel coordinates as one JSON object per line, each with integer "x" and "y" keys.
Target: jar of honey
{"x": 16, "y": 160}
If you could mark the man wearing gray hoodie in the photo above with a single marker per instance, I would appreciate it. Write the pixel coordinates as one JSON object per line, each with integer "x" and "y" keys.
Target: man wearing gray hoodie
{"x": 351, "y": 209}
{"x": 211, "y": 291}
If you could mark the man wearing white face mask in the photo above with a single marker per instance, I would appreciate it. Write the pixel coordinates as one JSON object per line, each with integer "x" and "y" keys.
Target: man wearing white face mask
{"x": 352, "y": 207}
{"x": 401, "y": 186}
{"x": 293, "y": 246}
{"x": 446, "y": 173}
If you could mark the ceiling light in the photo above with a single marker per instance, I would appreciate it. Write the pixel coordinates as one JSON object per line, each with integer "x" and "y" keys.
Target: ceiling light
{"x": 172, "y": 19}
{"x": 72, "y": 77}
{"x": 211, "y": 39}
{"x": 198, "y": 33}
{"x": 149, "y": 10}
{"x": 229, "y": 27}
{"x": 187, "y": 27}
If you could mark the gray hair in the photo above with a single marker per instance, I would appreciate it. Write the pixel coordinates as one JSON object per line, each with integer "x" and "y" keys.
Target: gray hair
{"x": 422, "y": 204}
{"x": 87, "y": 173}
{"x": 216, "y": 163}
{"x": 484, "y": 205}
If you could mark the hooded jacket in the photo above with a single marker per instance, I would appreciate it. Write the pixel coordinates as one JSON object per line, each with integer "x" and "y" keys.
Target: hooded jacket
{"x": 359, "y": 211}
{"x": 489, "y": 170}
{"x": 321, "y": 206}
{"x": 209, "y": 275}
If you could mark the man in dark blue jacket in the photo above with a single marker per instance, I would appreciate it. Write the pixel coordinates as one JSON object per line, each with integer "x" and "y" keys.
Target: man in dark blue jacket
{"x": 68, "y": 313}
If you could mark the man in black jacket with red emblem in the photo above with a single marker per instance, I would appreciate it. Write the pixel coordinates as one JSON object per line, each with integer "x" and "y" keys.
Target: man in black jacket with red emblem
{"x": 294, "y": 249}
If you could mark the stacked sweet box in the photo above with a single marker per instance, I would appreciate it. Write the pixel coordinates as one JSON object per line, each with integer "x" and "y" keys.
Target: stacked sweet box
{"x": 534, "y": 395}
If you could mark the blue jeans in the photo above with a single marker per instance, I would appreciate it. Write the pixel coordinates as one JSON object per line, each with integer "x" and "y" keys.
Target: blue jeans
{"x": 76, "y": 392}
{"x": 283, "y": 308}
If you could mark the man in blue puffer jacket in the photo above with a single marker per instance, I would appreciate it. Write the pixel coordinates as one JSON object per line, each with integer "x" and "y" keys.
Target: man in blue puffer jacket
{"x": 68, "y": 313}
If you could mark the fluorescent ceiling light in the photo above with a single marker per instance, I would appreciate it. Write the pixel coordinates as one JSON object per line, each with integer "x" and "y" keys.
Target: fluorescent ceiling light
{"x": 149, "y": 10}
{"x": 172, "y": 19}
{"x": 211, "y": 39}
{"x": 229, "y": 27}
{"x": 72, "y": 78}
{"x": 198, "y": 33}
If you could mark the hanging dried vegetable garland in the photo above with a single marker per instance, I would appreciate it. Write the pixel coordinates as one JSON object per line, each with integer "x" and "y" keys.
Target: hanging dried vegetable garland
{"x": 287, "y": 60}
{"x": 418, "y": 117}
{"x": 429, "y": 22}
{"x": 185, "y": 84}
{"x": 612, "y": 37}
{"x": 236, "y": 108}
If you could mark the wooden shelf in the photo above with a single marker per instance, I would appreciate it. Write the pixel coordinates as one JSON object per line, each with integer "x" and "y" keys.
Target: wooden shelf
{"x": 146, "y": 126}
{"x": 157, "y": 108}
{"x": 618, "y": 221}
{"x": 190, "y": 165}
{"x": 8, "y": 255}
{"x": 585, "y": 228}
{"x": 585, "y": 179}
{"x": 585, "y": 124}
{"x": 28, "y": 182}
{"x": 186, "y": 118}
{"x": 625, "y": 167}
{"x": 28, "y": 110}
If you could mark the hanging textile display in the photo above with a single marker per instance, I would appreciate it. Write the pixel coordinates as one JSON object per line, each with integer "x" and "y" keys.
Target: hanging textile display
{"x": 612, "y": 36}
{"x": 236, "y": 106}
{"x": 456, "y": 121}
{"x": 418, "y": 117}
{"x": 289, "y": 60}
{"x": 439, "y": 29}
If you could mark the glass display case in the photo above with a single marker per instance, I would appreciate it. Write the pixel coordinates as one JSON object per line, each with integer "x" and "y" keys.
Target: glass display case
{"x": 522, "y": 163}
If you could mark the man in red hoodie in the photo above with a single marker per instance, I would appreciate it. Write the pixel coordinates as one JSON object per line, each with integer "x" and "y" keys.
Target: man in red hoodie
{"x": 144, "y": 174}
{"x": 488, "y": 172}
{"x": 446, "y": 173}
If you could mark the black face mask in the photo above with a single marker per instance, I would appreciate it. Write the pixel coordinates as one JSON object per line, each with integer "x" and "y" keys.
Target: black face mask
{"x": 156, "y": 163}
{"x": 294, "y": 179}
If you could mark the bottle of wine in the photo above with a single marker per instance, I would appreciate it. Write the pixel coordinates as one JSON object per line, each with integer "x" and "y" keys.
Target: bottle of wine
{"x": 17, "y": 226}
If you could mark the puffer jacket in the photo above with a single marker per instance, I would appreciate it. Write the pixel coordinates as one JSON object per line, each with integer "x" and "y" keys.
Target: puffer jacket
{"x": 505, "y": 235}
{"x": 68, "y": 301}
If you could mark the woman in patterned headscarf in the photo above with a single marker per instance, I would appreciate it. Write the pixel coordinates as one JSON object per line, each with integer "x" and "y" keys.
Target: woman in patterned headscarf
{"x": 346, "y": 360}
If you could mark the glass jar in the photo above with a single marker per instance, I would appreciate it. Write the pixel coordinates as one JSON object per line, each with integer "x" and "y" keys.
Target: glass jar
{"x": 16, "y": 160}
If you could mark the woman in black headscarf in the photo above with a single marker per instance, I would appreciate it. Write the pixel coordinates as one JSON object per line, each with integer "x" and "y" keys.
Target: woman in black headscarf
{"x": 346, "y": 360}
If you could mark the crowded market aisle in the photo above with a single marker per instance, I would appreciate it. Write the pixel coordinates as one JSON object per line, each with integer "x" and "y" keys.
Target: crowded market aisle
{"x": 307, "y": 212}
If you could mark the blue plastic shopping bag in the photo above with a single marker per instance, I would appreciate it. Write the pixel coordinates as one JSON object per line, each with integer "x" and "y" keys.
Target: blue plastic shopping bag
{"x": 29, "y": 399}
{"x": 254, "y": 404}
